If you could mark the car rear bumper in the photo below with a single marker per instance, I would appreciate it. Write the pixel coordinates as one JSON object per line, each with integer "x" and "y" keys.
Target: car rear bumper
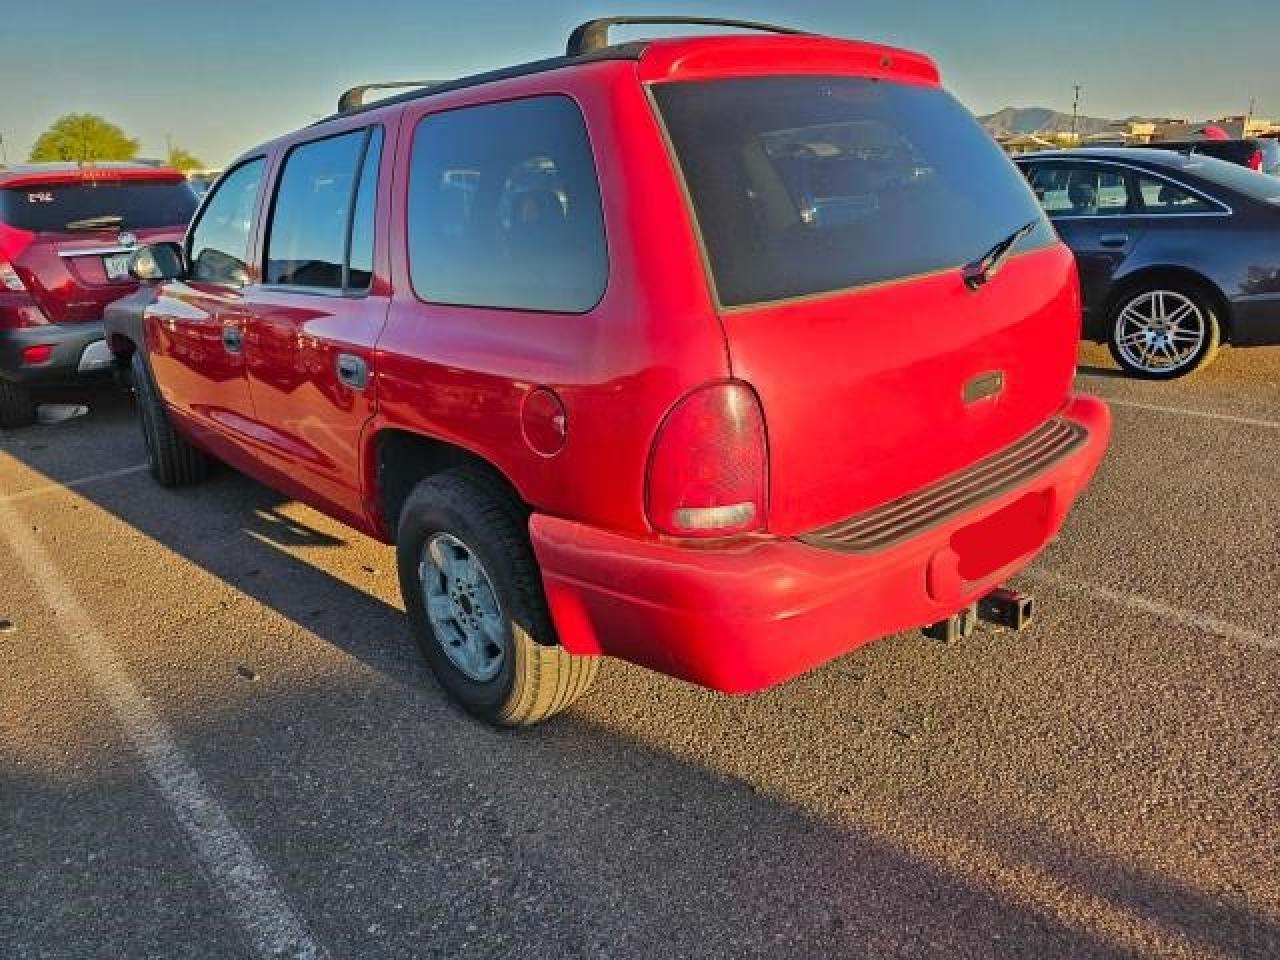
{"x": 1255, "y": 320}
{"x": 79, "y": 350}
{"x": 745, "y": 616}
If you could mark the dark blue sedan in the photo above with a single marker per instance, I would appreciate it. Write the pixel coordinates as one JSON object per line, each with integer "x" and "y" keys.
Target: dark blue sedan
{"x": 1177, "y": 254}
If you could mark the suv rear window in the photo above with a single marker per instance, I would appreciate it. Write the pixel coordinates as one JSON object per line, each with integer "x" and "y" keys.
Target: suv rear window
{"x": 809, "y": 185}
{"x": 138, "y": 204}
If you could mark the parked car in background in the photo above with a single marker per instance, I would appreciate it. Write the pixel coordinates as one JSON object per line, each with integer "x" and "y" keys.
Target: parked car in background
{"x": 723, "y": 355}
{"x": 1178, "y": 253}
{"x": 1259, "y": 154}
{"x": 66, "y": 234}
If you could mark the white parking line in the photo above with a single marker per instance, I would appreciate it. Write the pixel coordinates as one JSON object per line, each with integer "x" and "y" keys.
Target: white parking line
{"x": 71, "y": 484}
{"x": 269, "y": 923}
{"x": 1187, "y": 412}
{"x": 1158, "y": 608}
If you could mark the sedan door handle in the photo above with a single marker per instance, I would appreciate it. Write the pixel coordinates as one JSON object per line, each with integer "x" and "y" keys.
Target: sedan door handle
{"x": 233, "y": 339}
{"x": 1114, "y": 241}
{"x": 353, "y": 371}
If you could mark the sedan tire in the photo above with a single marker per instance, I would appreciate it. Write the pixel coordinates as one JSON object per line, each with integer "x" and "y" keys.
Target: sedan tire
{"x": 1164, "y": 331}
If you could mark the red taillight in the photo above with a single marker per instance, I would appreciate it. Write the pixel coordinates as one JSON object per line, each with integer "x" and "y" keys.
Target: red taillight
{"x": 9, "y": 279}
{"x": 1255, "y": 160}
{"x": 34, "y": 356}
{"x": 708, "y": 464}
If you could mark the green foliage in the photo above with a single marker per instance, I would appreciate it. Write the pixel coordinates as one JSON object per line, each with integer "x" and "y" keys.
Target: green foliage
{"x": 184, "y": 160}
{"x": 83, "y": 138}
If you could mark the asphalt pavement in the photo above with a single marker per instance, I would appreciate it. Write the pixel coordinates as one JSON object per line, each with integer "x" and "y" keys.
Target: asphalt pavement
{"x": 217, "y": 739}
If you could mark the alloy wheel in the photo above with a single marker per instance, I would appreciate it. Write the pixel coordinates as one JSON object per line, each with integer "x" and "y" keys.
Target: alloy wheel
{"x": 1161, "y": 331}
{"x": 463, "y": 607}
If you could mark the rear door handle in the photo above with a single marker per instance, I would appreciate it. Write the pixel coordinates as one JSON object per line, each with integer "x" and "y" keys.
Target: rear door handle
{"x": 1114, "y": 241}
{"x": 353, "y": 371}
{"x": 233, "y": 339}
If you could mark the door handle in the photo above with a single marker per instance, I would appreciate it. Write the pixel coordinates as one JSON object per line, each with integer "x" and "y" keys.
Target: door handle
{"x": 353, "y": 371}
{"x": 1114, "y": 241}
{"x": 233, "y": 339}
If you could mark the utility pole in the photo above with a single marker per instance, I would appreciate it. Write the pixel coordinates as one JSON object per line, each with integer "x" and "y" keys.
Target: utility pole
{"x": 4, "y": 152}
{"x": 1248, "y": 117}
{"x": 1075, "y": 115}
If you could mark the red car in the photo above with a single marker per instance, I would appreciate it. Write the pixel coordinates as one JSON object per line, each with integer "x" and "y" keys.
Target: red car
{"x": 66, "y": 234}
{"x": 722, "y": 355}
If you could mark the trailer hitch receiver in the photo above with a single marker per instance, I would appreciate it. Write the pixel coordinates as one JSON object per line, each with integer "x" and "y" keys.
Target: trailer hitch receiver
{"x": 1007, "y": 608}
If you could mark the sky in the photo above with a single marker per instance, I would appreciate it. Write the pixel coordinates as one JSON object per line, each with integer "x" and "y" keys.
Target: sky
{"x": 219, "y": 76}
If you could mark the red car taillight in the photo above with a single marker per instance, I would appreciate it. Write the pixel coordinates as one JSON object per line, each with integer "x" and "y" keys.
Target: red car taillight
{"x": 1255, "y": 160}
{"x": 707, "y": 469}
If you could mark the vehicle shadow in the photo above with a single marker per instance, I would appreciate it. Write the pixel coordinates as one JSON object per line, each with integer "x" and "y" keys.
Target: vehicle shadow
{"x": 1106, "y": 373}
{"x": 444, "y": 837}
{"x": 379, "y": 806}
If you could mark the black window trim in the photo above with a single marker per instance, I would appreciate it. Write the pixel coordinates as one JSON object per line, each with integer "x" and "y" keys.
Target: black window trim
{"x": 1224, "y": 209}
{"x": 345, "y": 291}
{"x": 415, "y": 123}
{"x": 208, "y": 197}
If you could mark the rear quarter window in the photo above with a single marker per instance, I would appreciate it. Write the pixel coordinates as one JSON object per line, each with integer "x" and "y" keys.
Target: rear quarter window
{"x": 131, "y": 205}
{"x": 814, "y": 184}
{"x": 504, "y": 208}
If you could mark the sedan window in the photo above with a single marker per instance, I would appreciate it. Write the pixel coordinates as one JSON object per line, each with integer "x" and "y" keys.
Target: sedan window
{"x": 1160, "y": 196}
{"x": 1083, "y": 190}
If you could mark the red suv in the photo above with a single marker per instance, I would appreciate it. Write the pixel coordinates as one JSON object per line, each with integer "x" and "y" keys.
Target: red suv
{"x": 722, "y": 355}
{"x": 66, "y": 234}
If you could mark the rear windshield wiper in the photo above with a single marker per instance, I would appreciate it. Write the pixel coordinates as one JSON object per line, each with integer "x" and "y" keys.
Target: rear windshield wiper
{"x": 96, "y": 223}
{"x": 988, "y": 265}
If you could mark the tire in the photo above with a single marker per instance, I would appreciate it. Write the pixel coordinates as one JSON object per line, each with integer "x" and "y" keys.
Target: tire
{"x": 495, "y": 653}
{"x": 17, "y": 408}
{"x": 1164, "y": 330}
{"x": 174, "y": 462}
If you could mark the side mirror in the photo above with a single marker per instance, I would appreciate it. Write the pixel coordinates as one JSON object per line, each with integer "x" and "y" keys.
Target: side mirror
{"x": 157, "y": 262}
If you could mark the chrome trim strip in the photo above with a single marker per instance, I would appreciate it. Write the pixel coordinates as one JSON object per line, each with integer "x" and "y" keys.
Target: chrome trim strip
{"x": 95, "y": 252}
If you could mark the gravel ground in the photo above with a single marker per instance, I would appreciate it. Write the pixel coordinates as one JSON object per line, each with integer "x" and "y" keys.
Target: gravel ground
{"x": 1106, "y": 784}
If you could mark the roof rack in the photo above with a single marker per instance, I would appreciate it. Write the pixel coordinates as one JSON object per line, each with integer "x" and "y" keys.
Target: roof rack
{"x": 353, "y": 99}
{"x": 594, "y": 34}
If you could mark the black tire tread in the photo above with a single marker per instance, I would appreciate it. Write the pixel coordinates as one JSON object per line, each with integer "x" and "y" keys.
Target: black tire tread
{"x": 547, "y": 678}
{"x": 174, "y": 462}
{"x": 17, "y": 407}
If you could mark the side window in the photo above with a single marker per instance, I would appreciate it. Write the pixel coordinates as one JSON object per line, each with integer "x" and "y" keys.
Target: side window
{"x": 362, "y": 220}
{"x": 504, "y": 208}
{"x": 1160, "y": 196}
{"x": 324, "y": 201}
{"x": 219, "y": 244}
{"x": 1084, "y": 190}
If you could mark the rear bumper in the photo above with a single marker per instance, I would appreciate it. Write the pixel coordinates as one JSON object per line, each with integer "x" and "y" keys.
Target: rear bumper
{"x": 743, "y": 617}
{"x": 79, "y": 350}
{"x": 1255, "y": 321}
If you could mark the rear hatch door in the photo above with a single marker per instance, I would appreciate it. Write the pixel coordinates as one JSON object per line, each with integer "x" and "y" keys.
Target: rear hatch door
{"x": 838, "y": 215}
{"x": 82, "y": 232}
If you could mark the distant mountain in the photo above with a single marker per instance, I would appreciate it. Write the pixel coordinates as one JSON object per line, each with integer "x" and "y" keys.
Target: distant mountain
{"x": 1040, "y": 120}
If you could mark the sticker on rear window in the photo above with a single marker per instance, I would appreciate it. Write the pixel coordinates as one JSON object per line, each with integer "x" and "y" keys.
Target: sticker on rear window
{"x": 44, "y": 197}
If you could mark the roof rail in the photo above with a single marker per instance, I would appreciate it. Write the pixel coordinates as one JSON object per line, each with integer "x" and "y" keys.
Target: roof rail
{"x": 594, "y": 34}
{"x": 354, "y": 98}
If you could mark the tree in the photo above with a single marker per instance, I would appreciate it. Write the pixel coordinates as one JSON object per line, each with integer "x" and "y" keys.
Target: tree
{"x": 83, "y": 138}
{"x": 184, "y": 160}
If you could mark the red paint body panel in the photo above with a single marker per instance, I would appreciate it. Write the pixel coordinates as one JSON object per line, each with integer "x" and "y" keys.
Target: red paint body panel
{"x": 462, "y": 373}
{"x": 864, "y": 391}
{"x": 741, "y": 617}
